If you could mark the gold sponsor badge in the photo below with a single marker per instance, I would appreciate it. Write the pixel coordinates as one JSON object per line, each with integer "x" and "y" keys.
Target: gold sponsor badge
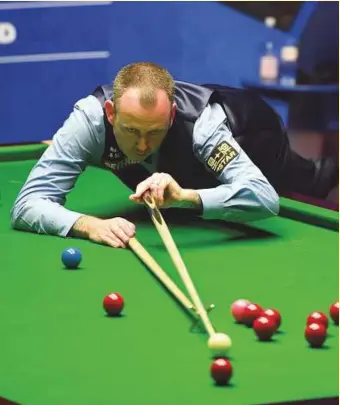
{"x": 221, "y": 156}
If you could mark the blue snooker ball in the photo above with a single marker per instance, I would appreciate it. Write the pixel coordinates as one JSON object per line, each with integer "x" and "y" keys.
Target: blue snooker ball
{"x": 71, "y": 258}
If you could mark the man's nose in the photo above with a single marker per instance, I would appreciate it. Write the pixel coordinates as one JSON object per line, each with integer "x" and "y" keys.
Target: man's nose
{"x": 142, "y": 145}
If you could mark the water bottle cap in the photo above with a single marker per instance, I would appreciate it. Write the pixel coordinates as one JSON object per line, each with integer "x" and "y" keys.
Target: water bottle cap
{"x": 289, "y": 53}
{"x": 270, "y": 21}
{"x": 269, "y": 46}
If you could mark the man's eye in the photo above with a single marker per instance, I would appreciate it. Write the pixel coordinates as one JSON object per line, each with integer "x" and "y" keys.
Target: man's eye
{"x": 132, "y": 130}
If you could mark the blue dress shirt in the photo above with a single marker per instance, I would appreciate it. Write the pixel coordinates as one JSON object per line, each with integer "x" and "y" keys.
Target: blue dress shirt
{"x": 243, "y": 195}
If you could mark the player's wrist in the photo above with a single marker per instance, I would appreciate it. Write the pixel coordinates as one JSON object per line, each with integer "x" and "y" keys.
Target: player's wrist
{"x": 190, "y": 199}
{"x": 84, "y": 226}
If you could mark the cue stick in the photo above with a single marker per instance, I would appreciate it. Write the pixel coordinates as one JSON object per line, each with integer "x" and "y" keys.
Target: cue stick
{"x": 156, "y": 269}
{"x": 169, "y": 243}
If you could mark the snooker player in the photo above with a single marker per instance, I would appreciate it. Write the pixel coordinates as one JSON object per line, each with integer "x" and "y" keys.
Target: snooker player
{"x": 220, "y": 151}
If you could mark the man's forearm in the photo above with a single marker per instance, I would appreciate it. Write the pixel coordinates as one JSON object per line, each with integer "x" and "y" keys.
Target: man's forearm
{"x": 42, "y": 216}
{"x": 190, "y": 199}
{"x": 83, "y": 226}
{"x": 254, "y": 199}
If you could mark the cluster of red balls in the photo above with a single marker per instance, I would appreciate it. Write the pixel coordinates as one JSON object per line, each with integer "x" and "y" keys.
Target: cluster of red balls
{"x": 266, "y": 322}
{"x": 317, "y": 324}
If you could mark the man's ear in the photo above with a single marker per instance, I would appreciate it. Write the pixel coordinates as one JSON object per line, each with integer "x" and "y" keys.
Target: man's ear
{"x": 110, "y": 111}
{"x": 173, "y": 113}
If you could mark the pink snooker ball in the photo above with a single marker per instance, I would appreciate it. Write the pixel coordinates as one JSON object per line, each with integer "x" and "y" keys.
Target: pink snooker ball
{"x": 237, "y": 309}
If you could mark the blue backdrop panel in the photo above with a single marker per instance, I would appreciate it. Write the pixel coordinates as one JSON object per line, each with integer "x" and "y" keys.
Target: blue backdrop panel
{"x": 203, "y": 42}
{"x": 222, "y": 45}
{"x": 57, "y": 29}
{"x": 147, "y": 31}
{"x": 200, "y": 41}
{"x": 36, "y": 91}
{"x": 37, "y": 103}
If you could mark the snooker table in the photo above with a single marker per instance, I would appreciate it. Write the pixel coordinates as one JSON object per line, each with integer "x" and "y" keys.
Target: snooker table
{"x": 57, "y": 347}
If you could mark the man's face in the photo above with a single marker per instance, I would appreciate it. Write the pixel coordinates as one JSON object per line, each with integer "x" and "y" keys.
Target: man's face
{"x": 140, "y": 131}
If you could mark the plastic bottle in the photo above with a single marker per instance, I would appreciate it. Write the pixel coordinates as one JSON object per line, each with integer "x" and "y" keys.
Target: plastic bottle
{"x": 288, "y": 63}
{"x": 269, "y": 64}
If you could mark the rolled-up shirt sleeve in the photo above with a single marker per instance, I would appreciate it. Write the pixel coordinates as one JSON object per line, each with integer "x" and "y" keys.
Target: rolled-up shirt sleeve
{"x": 39, "y": 207}
{"x": 244, "y": 193}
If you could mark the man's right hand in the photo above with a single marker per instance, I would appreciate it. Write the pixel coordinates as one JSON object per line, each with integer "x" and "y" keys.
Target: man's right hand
{"x": 115, "y": 232}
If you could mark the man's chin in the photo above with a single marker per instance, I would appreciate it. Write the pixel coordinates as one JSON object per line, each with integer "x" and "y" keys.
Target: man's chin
{"x": 139, "y": 158}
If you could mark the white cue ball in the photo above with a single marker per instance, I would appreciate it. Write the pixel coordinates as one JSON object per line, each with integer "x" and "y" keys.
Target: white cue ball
{"x": 219, "y": 344}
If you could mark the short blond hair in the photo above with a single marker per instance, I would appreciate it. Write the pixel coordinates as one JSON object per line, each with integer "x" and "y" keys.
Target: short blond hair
{"x": 146, "y": 76}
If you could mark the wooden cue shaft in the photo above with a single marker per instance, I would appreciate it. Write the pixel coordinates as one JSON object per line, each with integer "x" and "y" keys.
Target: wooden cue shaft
{"x": 169, "y": 243}
{"x": 150, "y": 262}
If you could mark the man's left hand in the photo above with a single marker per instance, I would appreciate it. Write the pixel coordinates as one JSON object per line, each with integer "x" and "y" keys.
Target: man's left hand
{"x": 166, "y": 192}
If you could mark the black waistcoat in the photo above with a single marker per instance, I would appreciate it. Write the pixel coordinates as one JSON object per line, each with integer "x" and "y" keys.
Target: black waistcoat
{"x": 254, "y": 125}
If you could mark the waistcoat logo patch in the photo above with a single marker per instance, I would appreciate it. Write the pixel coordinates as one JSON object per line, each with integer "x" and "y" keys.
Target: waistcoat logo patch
{"x": 116, "y": 160}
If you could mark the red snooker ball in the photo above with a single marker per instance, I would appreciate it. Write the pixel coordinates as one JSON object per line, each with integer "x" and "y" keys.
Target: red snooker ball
{"x": 251, "y": 312}
{"x": 113, "y": 304}
{"x": 221, "y": 371}
{"x": 264, "y": 328}
{"x": 316, "y": 334}
{"x": 237, "y": 309}
{"x": 318, "y": 317}
{"x": 334, "y": 312}
{"x": 274, "y": 315}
